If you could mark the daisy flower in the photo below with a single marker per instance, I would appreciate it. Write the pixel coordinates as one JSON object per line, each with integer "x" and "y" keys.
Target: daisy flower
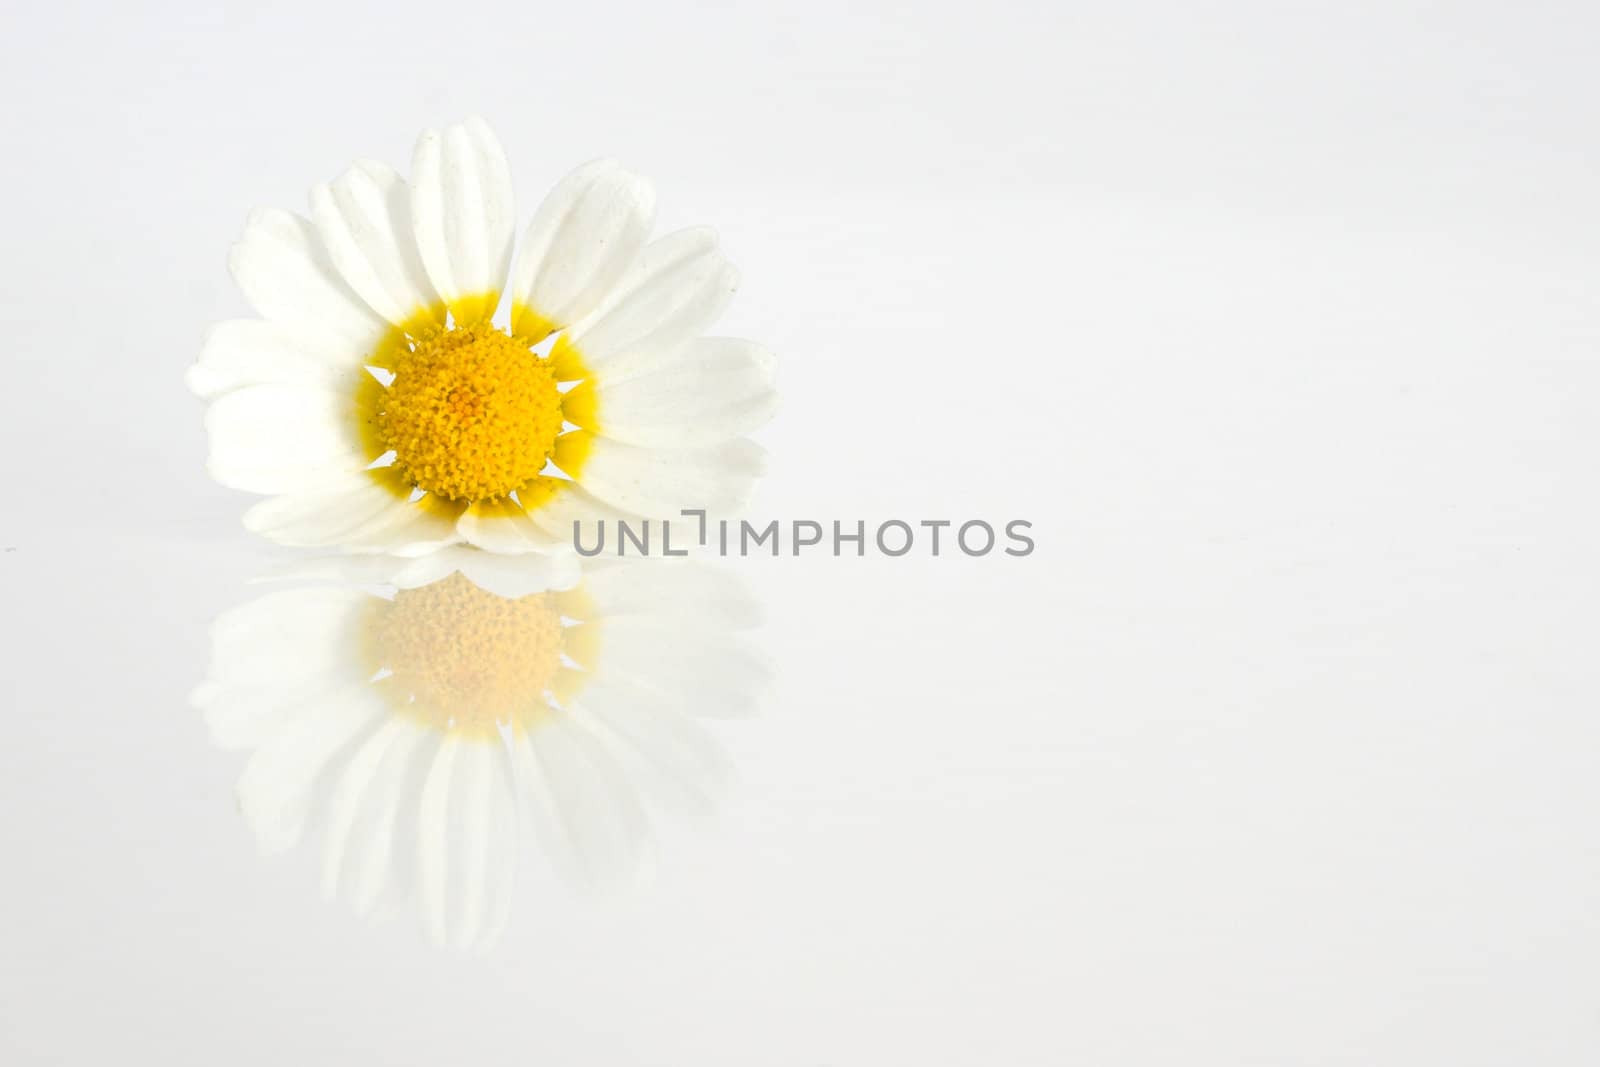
{"x": 386, "y": 403}
{"x": 433, "y": 727}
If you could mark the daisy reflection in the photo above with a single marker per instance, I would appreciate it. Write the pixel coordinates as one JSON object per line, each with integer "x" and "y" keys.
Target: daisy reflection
{"x": 429, "y": 713}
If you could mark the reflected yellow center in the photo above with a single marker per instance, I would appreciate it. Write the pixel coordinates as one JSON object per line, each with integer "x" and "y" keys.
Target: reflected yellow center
{"x": 472, "y": 414}
{"x": 462, "y": 658}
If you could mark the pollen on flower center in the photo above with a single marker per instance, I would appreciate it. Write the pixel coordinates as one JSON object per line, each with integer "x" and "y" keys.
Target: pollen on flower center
{"x": 471, "y": 414}
{"x": 462, "y": 658}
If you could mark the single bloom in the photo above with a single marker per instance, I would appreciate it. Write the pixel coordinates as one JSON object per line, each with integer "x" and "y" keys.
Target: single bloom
{"x": 437, "y": 718}
{"x": 388, "y": 403}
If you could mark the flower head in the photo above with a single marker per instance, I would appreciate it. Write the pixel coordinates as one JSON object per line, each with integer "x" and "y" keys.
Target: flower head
{"x": 411, "y": 385}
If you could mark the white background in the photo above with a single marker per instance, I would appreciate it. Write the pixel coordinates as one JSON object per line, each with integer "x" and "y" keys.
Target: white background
{"x": 1277, "y": 320}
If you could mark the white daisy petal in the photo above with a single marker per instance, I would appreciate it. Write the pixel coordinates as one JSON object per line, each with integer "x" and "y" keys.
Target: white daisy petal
{"x": 406, "y": 528}
{"x": 511, "y": 577}
{"x": 584, "y": 812}
{"x": 514, "y": 577}
{"x": 359, "y": 569}
{"x": 673, "y": 664}
{"x": 675, "y": 291}
{"x": 712, "y": 389}
{"x": 661, "y": 735}
{"x": 290, "y": 634}
{"x": 242, "y": 717}
{"x": 504, "y": 527}
{"x": 502, "y": 880}
{"x": 475, "y": 821}
{"x": 360, "y": 809}
{"x": 385, "y": 872}
{"x": 661, "y": 483}
{"x": 664, "y": 428}
{"x": 364, "y": 217}
{"x": 284, "y": 271}
{"x": 433, "y": 840}
{"x": 425, "y": 534}
{"x": 688, "y": 764}
{"x": 467, "y": 834}
{"x": 243, "y": 352}
{"x": 261, "y": 675}
{"x": 278, "y": 438}
{"x": 494, "y": 876}
{"x": 462, "y": 208}
{"x": 582, "y": 240}
{"x": 276, "y": 785}
{"x": 323, "y": 513}
{"x": 469, "y": 845}
{"x": 361, "y": 510}
{"x": 573, "y": 504}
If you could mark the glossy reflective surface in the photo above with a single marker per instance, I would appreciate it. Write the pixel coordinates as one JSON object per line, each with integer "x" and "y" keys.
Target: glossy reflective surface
{"x": 1277, "y": 321}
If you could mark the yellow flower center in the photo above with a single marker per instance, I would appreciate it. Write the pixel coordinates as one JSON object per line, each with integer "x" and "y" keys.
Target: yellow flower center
{"x": 472, "y": 414}
{"x": 461, "y": 658}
